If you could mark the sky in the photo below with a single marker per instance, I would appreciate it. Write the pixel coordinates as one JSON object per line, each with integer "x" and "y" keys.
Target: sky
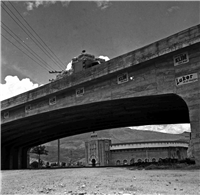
{"x": 102, "y": 28}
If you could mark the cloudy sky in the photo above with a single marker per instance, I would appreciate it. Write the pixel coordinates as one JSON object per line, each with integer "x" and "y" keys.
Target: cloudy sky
{"x": 57, "y": 31}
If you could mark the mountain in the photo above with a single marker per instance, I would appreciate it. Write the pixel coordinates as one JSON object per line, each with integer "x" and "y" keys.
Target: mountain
{"x": 74, "y": 147}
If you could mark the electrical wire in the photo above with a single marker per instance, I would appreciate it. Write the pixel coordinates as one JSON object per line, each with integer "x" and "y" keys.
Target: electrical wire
{"x": 23, "y": 52}
{"x": 36, "y": 34}
{"x": 39, "y": 45}
{"x": 29, "y": 49}
{"x": 29, "y": 33}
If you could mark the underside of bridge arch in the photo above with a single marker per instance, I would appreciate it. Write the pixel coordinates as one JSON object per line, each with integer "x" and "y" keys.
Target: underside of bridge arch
{"x": 136, "y": 111}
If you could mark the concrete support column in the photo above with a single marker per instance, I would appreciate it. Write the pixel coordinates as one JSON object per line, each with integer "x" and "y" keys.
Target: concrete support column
{"x": 2, "y": 158}
{"x": 19, "y": 158}
{"x": 195, "y": 140}
{"x": 194, "y": 113}
{"x": 192, "y": 100}
{"x": 8, "y": 158}
{"x": 14, "y": 158}
{"x": 15, "y": 152}
{"x": 24, "y": 158}
{"x": 11, "y": 158}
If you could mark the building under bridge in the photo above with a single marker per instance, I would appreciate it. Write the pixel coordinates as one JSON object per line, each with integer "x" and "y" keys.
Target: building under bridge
{"x": 101, "y": 151}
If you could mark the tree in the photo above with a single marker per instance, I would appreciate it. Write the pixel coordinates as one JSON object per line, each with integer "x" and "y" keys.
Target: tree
{"x": 40, "y": 150}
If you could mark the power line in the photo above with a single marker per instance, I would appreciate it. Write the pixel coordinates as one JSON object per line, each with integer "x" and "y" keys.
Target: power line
{"x": 29, "y": 49}
{"x": 46, "y": 52}
{"x": 36, "y": 34}
{"x": 29, "y": 33}
{"x": 24, "y": 52}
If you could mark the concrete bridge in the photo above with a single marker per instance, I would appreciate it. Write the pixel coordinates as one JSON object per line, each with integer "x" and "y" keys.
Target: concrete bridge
{"x": 156, "y": 84}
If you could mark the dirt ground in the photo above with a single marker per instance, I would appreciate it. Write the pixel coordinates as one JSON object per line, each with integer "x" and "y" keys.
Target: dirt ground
{"x": 101, "y": 181}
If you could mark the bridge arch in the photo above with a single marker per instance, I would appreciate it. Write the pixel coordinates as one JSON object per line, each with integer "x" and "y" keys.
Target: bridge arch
{"x": 124, "y": 112}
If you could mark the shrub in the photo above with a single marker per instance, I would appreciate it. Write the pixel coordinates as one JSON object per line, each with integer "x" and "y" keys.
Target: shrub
{"x": 34, "y": 164}
{"x": 152, "y": 166}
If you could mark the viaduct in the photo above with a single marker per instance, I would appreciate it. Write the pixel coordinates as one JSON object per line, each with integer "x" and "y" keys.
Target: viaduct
{"x": 155, "y": 84}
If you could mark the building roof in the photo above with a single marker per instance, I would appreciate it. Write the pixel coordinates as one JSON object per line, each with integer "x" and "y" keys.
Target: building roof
{"x": 153, "y": 141}
{"x": 149, "y": 144}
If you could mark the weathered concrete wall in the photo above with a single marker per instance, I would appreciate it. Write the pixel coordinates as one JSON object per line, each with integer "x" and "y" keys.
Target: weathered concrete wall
{"x": 150, "y": 70}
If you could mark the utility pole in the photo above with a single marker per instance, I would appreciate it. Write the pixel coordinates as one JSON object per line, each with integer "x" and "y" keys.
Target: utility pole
{"x": 71, "y": 157}
{"x": 54, "y": 72}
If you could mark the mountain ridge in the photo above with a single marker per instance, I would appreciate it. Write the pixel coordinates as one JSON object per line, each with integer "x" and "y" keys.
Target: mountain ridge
{"x": 73, "y": 147}
{"x": 120, "y": 135}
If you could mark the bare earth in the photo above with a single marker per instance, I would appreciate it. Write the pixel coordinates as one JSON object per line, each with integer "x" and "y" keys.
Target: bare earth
{"x": 121, "y": 181}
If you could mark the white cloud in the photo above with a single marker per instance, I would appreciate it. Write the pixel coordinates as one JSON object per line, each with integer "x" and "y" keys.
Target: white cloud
{"x": 69, "y": 66}
{"x": 106, "y": 58}
{"x": 65, "y": 3}
{"x": 172, "y": 128}
{"x": 103, "y": 4}
{"x": 49, "y": 2}
{"x": 173, "y": 8}
{"x": 37, "y": 3}
{"x": 30, "y": 6}
{"x": 15, "y": 86}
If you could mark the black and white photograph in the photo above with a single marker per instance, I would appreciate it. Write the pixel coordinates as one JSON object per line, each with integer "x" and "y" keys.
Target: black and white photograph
{"x": 100, "y": 97}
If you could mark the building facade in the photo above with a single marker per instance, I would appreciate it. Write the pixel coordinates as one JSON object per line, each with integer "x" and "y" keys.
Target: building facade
{"x": 97, "y": 151}
{"x": 101, "y": 152}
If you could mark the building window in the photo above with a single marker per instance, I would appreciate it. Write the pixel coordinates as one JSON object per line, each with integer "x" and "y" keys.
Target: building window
{"x": 146, "y": 160}
{"x": 132, "y": 161}
{"x": 178, "y": 154}
{"x": 139, "y": 160}
{"x": 153, "y": 160}
{"x": 52, "y": 101}
{"x": 106, "y": 147}
{"x": 125, "y": 162}
{"x": 79, "y": 92}
{"x": 27, "y": 108}
{"x": 118, "y": 162}
{"x": 6, "y": 115}
{"x": 123, "y": 78}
